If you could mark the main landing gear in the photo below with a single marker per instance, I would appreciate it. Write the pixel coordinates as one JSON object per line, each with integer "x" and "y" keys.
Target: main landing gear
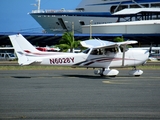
{"x": 113, "y": 72}
{"x": 135, "y": 72}
{"x": 106, "y": 72}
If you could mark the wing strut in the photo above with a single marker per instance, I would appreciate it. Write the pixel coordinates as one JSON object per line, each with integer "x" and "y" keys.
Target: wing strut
{"x": 124, "y": 49}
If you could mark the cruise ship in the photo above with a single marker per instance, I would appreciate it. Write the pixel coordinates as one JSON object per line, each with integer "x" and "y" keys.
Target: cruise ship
{"x": 88, "y": 12}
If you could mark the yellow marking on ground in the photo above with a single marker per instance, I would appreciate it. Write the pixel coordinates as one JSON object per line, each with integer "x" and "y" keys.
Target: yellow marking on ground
{"x": 114, "y": 82}
{"x": 107, "y": 82}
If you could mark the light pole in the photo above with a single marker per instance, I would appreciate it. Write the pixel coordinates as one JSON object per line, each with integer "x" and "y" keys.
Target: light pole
{"x": 91, "y": 29}
{"x": 73, "y": 29}
{"x": 73, "y": 34}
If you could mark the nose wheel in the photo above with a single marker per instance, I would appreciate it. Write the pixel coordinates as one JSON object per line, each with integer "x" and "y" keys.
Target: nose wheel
{"x": 135, "y": 72}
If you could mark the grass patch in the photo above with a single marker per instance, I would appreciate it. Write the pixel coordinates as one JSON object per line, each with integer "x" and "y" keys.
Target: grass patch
{"x": 13, "y": 65}
{"x": 39, "y": 67}
{"x": 32, "y": 67}
{"x": 149, "y": 67}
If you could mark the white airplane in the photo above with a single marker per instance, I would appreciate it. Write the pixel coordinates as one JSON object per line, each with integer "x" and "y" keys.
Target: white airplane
{"x": 100, "y": 54}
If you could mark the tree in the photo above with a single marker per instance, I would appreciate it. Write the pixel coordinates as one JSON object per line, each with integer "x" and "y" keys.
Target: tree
{"x": 68, "y": 42}
{"x": 119, "y": 39}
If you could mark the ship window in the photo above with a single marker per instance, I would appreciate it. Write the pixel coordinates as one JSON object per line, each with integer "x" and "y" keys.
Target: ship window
{"x": 80, "y": 9}
{"x": 134, "y": 6}
{"x": 145, "y": 5}
{"x": 115, "y": 9}
{"x": 57, "y": 23}
{"x": 139, "y": 6}
{"x": 155, "y": 5}
{"x": 82, "y": 23}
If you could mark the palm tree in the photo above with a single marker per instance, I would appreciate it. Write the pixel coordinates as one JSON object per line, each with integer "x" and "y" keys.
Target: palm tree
{"x": 68, "y": 42}
{"x": 118, "y": 39}
{"x": 121, "y": 39}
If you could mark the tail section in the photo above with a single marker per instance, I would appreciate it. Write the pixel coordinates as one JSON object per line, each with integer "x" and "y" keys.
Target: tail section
{"x": 22, "y": 46}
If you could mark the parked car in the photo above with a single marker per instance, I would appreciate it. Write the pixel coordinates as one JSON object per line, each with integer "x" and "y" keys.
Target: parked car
{"x": 7, "y": 56}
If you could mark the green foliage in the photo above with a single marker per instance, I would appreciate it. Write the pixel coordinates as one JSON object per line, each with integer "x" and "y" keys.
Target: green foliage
{"x": 68, "y": 42}
{"x": 63, "y": 47}
{"x": 119, "y": 39}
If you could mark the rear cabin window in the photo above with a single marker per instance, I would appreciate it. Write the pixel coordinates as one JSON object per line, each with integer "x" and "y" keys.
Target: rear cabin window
{"x": 104, "y": 51}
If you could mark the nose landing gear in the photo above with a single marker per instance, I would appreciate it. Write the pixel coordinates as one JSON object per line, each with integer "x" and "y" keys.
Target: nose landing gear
{"x": 135, "y": 72}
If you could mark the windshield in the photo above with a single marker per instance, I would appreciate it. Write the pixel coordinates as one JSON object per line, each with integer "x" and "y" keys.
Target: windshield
{"x": 86, "y": 51}
{"x": 11, "y": 55}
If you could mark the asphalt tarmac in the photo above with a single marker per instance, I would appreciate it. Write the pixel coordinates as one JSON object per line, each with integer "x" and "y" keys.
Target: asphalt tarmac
{"x": 78, "y": 94}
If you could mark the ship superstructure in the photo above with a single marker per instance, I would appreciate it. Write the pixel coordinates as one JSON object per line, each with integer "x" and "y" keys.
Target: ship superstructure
{"x": 88, "y": 12}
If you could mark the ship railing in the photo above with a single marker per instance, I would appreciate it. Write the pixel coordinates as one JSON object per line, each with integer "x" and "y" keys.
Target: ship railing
{"x": 38, "y": 11}
{"x": 54, "y": 11}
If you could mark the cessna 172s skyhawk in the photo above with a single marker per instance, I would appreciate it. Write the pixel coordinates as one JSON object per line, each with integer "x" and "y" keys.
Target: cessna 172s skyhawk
{"x": 100, "y": 54}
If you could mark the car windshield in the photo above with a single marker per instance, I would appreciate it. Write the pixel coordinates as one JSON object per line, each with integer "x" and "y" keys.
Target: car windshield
{"x": 11, "y": 55}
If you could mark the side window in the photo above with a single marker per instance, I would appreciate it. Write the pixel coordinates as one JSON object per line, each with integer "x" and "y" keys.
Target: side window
{"x": 97, "y": 52}
{"x": 111, "y": 50}
{"x": 6, "y": 56}
{"x": 2, "y": 55}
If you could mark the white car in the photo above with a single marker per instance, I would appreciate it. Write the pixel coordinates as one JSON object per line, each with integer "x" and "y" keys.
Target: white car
{"x": 7, "y": 56}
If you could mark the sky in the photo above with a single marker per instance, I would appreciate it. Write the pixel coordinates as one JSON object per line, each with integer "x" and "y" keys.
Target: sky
{"x": 15, "y": 18}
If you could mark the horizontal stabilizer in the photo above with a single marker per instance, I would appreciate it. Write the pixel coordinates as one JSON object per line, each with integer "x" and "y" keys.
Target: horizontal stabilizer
{"x": 31, "y": 63}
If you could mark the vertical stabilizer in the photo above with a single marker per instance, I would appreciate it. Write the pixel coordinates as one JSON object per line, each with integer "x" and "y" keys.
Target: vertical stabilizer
{"x": 21, "y": 46}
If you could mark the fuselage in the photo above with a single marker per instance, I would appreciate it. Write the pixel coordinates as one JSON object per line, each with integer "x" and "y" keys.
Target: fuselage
{"x": 109, "y": 57}
{"x": 87, "y": 12}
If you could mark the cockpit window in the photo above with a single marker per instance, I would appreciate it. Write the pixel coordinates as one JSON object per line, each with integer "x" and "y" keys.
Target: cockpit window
{"x": 86, "y": 51}
{"x": 97, "y": 52}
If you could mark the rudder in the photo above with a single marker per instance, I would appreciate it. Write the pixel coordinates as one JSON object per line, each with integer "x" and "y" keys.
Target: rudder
{"x": 21, "y": 45}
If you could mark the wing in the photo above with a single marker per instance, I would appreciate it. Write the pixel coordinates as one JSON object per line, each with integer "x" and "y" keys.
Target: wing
{"x": 96, "y": 43}
{"x": 127, "y": 42}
